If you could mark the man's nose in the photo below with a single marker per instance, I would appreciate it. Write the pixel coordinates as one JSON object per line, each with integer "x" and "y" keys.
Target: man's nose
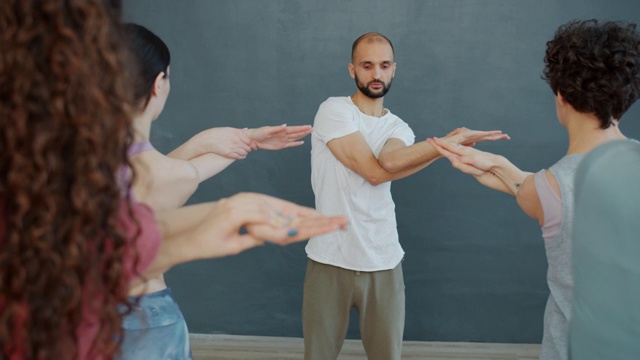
{"x": 377, "y": 72}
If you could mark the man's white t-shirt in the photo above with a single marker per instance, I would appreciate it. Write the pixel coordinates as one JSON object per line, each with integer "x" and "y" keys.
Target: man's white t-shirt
{"x": 370, "y": 242}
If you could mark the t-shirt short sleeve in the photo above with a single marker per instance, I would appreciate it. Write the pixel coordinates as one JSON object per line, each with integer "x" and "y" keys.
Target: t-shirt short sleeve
{"x": 403, "y": 132}
{"x": 334, "y": 119}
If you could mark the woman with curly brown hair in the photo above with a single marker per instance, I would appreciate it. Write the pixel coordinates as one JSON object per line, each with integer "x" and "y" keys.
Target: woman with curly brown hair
{"x": 65, "y": 129}
{"x": 593, "y": 69}
{"x": 71, "y": 240}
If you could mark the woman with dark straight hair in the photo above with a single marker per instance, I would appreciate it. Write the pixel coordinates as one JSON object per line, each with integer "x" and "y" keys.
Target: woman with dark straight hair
{"x": 156, "y": 328}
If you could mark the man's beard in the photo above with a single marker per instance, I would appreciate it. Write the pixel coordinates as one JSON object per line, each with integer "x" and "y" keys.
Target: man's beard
{"x": 370, "y": 94}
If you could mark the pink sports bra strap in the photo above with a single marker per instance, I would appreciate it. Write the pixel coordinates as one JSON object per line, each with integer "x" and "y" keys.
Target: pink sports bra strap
{"x": 551, "y": 205}
{"x": 138, "y": 148}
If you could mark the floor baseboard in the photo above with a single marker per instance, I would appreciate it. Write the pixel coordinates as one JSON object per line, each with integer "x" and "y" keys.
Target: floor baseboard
{"x": 240, "y": 347}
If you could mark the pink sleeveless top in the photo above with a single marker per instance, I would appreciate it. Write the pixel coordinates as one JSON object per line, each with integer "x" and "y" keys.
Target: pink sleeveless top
{"x": 147, "y": 246}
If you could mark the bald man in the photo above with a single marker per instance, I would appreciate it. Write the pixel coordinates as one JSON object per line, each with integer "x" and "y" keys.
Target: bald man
{"x": 358, "y": 147}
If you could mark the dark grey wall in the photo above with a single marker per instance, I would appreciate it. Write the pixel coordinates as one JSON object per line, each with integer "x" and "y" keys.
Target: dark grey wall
{"x": 475, "y": 265}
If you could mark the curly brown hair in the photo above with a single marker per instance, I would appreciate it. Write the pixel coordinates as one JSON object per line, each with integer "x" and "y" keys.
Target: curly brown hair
{"x": 595, "y": 67}
{"x": 65, "y": 127}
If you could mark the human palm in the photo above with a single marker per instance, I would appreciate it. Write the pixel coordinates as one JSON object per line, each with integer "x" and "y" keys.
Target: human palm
{"x": 279, "y": 137}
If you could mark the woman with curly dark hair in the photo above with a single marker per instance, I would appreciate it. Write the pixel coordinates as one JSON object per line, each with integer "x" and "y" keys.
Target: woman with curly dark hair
{"x": 593, "y": 69}
{"x": 72, "y": 240}
{"x": 65, "y": 129}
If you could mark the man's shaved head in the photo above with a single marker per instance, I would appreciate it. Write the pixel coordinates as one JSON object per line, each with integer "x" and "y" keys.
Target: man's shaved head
{"x": 371, "y": 37}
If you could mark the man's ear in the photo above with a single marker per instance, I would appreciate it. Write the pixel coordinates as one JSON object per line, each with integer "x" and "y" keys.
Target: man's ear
{"x": 352, "y": 71}
{"x": 157, "y": 83}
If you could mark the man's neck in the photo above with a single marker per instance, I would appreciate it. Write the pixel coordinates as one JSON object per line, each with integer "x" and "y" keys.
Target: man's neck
{"x": 369, "y": 106}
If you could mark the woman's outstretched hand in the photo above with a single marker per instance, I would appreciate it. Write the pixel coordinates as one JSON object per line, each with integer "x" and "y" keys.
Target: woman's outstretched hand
{"x": 246, "y": 220}
{"x": 279, "y": 137}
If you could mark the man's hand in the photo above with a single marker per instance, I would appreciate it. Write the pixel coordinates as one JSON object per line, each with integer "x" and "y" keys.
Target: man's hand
{"x": 470, "y": 137}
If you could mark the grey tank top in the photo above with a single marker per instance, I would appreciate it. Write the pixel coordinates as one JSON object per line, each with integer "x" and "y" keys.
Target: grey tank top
{"x": 560, "y": 272}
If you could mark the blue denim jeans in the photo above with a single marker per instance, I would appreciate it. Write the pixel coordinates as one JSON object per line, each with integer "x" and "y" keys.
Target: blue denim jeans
{"x": 155, "y": 329}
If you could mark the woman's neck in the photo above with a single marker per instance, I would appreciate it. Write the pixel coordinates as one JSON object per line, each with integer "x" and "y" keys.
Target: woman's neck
{"x": 585, "y": 133}
{"x": 142, "y": 126}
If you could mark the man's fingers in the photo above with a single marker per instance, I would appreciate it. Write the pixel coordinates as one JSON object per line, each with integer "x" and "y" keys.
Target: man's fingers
{"x": 486, "y": 136}
{"x": 451, "y": 147}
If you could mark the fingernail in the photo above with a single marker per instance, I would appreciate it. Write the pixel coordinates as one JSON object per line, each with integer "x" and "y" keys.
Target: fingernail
{"x": 292, "y": 232}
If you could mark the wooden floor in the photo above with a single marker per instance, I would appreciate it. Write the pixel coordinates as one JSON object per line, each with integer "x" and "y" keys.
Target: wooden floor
{"x": 233, "y": 347}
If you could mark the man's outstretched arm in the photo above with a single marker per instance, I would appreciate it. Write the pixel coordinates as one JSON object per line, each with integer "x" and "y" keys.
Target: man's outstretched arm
{"x": 396, "y": 157}
{"x": 396, "y": 160}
